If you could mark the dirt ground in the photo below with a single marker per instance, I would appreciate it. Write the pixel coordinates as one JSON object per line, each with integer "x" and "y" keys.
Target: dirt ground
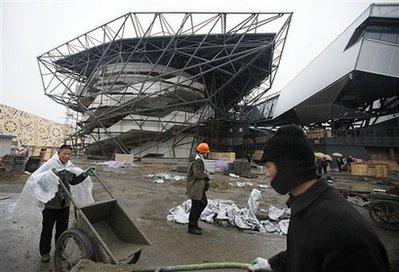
{"x": 148, "y": 204}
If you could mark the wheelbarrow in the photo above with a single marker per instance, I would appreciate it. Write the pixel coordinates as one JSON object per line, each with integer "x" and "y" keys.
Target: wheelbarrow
{"x": 384, "y": 210}
{"x": 101, "y": 232}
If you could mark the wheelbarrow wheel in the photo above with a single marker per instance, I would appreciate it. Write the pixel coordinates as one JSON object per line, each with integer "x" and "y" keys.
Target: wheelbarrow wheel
{"x": 72, "y": 246}
{"x": 385, "y": 214}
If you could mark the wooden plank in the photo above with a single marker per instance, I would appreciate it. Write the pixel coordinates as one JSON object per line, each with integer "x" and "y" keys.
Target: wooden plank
{"x": 36, "y": 151}
{"x": 359, "y": 169}
{"x": 47, "y": 155}
{"x": 230, "y": 156}
{"x": 124, "y": 158}
{"x": 381, "y": 171}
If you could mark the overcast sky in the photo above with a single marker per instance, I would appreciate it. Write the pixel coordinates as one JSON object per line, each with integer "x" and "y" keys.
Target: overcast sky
{"x": 30, "y": 28}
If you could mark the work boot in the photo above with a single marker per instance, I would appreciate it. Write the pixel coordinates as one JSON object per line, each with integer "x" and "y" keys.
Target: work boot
{"x": 194, "y": 231}
{"x": 46, "y": 258}
{"x": 198, "y": 228}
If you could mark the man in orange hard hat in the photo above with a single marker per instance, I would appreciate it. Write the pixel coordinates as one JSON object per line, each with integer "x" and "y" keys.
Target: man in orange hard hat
{"x": 197, "y": 184}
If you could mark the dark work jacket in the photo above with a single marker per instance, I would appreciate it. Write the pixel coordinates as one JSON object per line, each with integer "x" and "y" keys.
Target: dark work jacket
{"x": 61, "y": 200}
{"x": 197, "y": 180}
{"x": 327, "y": 234}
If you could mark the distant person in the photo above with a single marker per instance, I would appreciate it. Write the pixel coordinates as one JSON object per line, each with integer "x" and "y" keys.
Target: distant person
{"x": 324, "y": 165}
{"x": 319, "y": 167}
{"x": 197, "y": 184}
{"x": 349, "y": 160}
{"x": 249, "y": 158}
{"x": 340, "y": 163}
{"x": 326, "y": 233}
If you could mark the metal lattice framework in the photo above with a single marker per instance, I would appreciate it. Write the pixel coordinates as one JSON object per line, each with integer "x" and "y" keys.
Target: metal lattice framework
{"x": 145, "y": 79}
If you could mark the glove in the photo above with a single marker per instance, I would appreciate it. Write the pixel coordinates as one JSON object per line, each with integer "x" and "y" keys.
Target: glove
{"x": 260, "y": 264}
{"x": 90, "y": 170}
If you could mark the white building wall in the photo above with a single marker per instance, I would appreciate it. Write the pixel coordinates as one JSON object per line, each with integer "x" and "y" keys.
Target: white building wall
{"x": 332, "y": 64}
{"x": 166, "y": 148}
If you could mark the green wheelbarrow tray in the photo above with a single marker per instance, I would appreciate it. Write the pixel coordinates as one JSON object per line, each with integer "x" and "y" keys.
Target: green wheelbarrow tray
{"x": 104, "y": 231}
{"x": 115, "y": 237}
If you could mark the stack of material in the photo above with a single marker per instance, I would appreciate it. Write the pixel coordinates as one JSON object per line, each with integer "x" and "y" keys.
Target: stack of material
{"x": 229, "y": 156}
{"x": 129, "y": 158}
{"x": 226, "y": 212}
{"x": 33, "y": 163}
{"x": 13, "y": 162}
{"x": 44, "y": 152}
{"x": 370, "y": 169}
{"x": 242, "y": 167}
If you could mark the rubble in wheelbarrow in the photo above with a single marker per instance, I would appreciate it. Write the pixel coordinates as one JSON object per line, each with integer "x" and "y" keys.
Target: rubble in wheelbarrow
{"x": 227, "y": 213}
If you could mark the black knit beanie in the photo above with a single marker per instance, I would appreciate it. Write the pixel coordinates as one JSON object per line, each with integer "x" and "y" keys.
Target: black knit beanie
{"x": 293, "y": 156}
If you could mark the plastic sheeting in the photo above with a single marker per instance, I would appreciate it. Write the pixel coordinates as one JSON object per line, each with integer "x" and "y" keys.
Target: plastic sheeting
{"x": 42, "y": 186}
{"x": 241, "y": 184}
{"x": 165, "y": 176}
{"x": 216, "y": 210}
{"x": 243, "y": 218}
{"x": 116, "y": 164}
{"x": 358, "y": 201}
{"x": 253, "y": 201}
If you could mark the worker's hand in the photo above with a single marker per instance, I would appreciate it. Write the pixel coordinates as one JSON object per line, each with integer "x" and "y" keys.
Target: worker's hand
{"x": 90, "y": 170}
{"x": 207, "y": 179}
{"x": 260, "y": 264}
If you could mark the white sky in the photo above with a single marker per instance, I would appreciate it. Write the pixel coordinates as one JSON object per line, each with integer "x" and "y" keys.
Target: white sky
{"x": 30, "y": 28}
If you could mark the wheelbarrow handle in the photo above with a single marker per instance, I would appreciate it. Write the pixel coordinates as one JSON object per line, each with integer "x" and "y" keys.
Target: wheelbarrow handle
{"x": 99, "y": 180}
{"x": 68, "y": 193}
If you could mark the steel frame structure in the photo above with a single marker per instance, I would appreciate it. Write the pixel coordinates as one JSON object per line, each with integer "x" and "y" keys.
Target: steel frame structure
{"x": 149, "y": 77}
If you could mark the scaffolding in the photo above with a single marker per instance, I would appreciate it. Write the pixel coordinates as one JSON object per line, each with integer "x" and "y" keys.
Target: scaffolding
{"x": 148, "y": 83}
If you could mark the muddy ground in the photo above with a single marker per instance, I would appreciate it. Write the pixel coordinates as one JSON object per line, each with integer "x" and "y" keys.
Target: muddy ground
{"x": 148, "y": 204}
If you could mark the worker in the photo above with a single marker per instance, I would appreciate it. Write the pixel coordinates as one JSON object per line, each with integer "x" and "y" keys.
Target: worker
{"x": 325, "y": 233}
{"x": 197, "y": 184}
{"x": 56, "y": 210}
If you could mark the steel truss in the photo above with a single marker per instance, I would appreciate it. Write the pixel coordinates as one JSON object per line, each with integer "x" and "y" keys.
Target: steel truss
{"x": 148, "y": 78}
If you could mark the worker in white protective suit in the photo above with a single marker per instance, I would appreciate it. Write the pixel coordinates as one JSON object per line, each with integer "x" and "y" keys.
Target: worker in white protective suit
{"x": 43, "y": 192}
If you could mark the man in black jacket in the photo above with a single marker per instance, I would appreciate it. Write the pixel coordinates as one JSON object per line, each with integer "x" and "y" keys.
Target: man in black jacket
{"x": 56, "y": 211}
{"x": 325, "y": 233}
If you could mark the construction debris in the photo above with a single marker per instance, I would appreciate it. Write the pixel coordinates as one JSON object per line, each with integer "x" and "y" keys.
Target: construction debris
{"x": 116, "y": 164}
{"x": 358, "y": 201}
{"x": 165, "y": 176}
{"x": 227, "y": 211}
{"x": 241, "y": 184}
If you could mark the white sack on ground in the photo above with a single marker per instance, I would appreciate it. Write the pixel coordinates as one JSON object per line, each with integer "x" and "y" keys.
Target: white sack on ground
{"x": 253, "y": 201}
{"x": 166, "y": 176}
{"x": 42, "y": 186}
{"x": 283, "y": 224}
{"x": 216, "y": 210}
{"x": 268, "y": 227}
{"x": 275, "y": 213}
{"x": 116, "y": 164}
{"x": 180, "y": 213}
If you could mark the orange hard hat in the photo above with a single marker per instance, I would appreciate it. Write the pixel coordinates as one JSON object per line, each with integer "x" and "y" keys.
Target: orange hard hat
{"x": 203, "y": 148}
